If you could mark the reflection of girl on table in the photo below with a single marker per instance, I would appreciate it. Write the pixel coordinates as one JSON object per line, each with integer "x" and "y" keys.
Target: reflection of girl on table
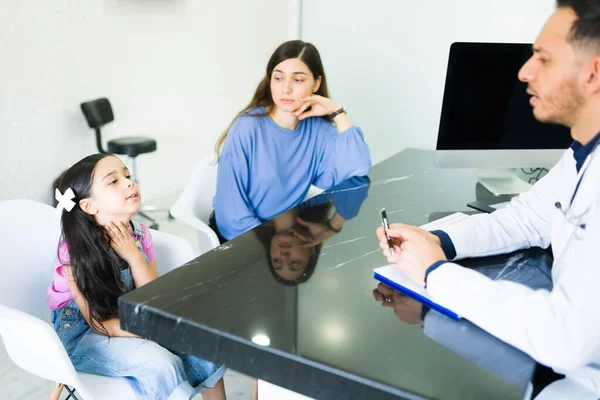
{"x": 289, "y": 137}
{"x": 294, "y": 238}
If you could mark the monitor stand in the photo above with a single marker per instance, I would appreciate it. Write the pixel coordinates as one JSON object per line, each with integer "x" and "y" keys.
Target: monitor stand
{"x": 502, "y": 181}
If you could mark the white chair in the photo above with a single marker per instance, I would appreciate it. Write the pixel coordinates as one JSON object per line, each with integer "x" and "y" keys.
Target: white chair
{"x": 29, "y": 235}
{"x": 312, "y": 192}
{"x": 194, "y": 205}
{"x": 171, "y": 251}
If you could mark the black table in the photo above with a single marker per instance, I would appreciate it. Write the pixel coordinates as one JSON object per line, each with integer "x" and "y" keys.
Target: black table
{"x": 329, "y": 338}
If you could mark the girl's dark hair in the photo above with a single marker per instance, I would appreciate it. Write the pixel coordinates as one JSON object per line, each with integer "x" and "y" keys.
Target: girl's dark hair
{"x": 586, "y": 29}
{"x": 96, "y": 267}
{"x": 266, "y": 232}
{"x": 262, "y": 96}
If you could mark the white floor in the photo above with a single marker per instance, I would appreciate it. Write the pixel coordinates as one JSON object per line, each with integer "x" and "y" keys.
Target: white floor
{"x": 17, "y": 384}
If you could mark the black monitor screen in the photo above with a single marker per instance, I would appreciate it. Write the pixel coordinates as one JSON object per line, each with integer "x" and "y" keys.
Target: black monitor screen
{"x": 485, "y": 105}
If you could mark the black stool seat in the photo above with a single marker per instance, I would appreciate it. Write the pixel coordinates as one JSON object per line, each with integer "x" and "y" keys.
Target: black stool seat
{"x": 132, "y": 146}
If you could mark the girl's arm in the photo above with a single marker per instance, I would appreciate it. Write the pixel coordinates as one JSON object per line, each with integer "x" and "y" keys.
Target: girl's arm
{"x": 125, "y": 247}
{"x": 112, "y": 325}
{"x": 143, "y": 272}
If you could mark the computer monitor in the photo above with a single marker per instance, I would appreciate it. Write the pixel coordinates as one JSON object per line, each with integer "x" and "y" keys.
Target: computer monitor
{"x": 487, "y": 121}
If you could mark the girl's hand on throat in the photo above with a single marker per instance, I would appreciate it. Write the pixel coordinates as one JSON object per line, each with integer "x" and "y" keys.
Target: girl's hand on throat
{"x": 122, "y": 242}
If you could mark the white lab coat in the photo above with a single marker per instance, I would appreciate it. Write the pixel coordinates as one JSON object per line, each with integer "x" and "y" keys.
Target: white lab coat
{"x": 560, "y": 328}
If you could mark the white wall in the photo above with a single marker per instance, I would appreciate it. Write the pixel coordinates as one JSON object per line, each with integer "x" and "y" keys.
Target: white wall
{"x": 175, "y": 70}
{"x": 386, "y": 59}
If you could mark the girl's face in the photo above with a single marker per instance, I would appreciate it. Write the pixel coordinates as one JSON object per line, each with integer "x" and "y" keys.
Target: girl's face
{"x": 114, "y": 195}
{"x": 292, "y": 80}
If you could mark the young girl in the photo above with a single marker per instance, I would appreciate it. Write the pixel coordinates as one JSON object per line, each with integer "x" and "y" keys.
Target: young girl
{"x": 289, "y": 137}
{"x": 103, "y": 256}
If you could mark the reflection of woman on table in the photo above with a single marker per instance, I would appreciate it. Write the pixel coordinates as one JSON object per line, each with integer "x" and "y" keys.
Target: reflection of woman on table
{"x": 294, "y": 238}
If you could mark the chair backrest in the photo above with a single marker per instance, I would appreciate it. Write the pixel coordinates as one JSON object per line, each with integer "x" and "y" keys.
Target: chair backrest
{"x": 33, "y": 345}
{"x": 171, "y": 251}
{"x": 312, "y": 192}
{"x": 29, "y": 236}
{"x": 199, "y": 191}
{"x": 195, "y": 203}
{"x": 97, "y": 112}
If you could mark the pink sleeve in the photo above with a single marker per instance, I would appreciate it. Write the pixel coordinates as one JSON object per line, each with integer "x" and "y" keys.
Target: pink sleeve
{"x": 148, "y": 244}
{"x": 59, "y": 293}
{"x": 64, "y": 258}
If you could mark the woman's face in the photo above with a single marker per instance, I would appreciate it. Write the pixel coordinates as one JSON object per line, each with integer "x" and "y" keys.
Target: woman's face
{"x": 288, "y": 256}
{"x": 292, "y": 80}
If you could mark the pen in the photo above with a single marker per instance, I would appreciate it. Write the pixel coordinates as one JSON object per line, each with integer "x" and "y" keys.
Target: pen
{"x": 386, "y": 227}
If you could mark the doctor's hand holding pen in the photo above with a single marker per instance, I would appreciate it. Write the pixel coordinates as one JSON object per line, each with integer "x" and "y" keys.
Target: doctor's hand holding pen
{"x": 415, "y": 249}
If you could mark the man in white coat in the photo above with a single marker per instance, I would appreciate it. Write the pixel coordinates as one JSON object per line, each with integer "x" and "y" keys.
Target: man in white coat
{"x": 558, "y": 328}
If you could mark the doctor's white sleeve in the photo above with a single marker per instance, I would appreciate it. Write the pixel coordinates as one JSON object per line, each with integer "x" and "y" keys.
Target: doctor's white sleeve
{"x": 560, "y": 329}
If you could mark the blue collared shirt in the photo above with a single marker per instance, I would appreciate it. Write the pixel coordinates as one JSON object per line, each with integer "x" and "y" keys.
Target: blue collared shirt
{"x": 580, "y": 152}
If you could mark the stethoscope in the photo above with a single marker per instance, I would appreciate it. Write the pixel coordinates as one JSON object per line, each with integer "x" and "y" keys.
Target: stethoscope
{"x": 577, "y": 220}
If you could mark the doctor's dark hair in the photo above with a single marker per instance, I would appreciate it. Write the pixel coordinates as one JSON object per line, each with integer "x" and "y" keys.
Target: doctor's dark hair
{"x": 95, "y": 267}
{"x": 586, "y": 28}
{"x": 306, "y": 52}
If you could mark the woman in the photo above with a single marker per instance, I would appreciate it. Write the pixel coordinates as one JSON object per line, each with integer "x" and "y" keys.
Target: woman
{"x": 289, "y": 137}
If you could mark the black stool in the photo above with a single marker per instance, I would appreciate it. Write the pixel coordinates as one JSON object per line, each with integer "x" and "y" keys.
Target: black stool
{"x": 99, "y": 113}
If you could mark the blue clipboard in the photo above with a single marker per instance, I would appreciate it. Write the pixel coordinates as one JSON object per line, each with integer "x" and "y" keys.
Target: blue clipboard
{"x": 390, "y": 276}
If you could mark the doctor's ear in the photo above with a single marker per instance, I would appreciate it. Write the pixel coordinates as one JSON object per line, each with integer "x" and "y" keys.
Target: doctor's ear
{"x": 593, "y": 77}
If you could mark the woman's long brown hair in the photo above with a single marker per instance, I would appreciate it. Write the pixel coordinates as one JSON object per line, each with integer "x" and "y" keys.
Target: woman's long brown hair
{"x": 262, "y": 96}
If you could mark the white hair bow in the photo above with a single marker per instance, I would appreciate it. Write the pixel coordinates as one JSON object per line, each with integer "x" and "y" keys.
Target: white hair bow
{"x": 65, "y": 201}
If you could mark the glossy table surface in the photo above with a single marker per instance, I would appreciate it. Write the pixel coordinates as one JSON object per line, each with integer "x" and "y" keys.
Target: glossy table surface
{"x": 313, "y": 301}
